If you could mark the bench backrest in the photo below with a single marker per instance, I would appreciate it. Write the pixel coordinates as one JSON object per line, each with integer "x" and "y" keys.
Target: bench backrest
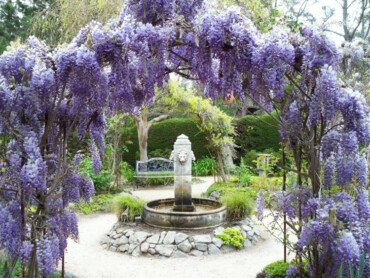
{"x": 155, "y": 165}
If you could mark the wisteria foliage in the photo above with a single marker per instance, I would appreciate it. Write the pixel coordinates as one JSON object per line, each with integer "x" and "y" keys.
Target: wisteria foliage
{"x": 46, "y": 95}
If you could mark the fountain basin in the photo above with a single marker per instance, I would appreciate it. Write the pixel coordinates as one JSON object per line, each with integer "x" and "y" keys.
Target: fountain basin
{"x": 207, "y": 214}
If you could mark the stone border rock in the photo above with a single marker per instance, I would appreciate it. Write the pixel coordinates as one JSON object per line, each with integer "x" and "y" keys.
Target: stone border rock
{"x": 176, "y": 244}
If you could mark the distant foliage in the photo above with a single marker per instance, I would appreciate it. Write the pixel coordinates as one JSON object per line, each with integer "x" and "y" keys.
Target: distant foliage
{"x": 102, "y": 180}
{"x": 256, "y": 134}
{"x": 204, "y": 167}
{"x": 163, "y": 135}
{"x": 97, "y": 203}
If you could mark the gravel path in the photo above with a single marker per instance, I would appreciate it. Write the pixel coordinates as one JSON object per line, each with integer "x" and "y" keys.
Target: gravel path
{"x": 88, "y": 259}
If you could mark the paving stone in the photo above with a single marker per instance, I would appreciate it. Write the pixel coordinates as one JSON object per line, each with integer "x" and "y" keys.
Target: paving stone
{"x": 120, "y": 230}
{"x": 122, "y": 240}
{"x": 153, "y": 239}
{"x": 246, "y": 228}
{"x": 165, "y": 250}
{"x": 152, "y": 245}
{"x": 236, "y": 228}
{"x": 116, "y": 236}
{"x": 105, "y": 246}
{"x": 152, "y": 251}
{"x": 250, "y": 233}
{"x": 105, "y": 240}
{"x": 185, "y": 246}
{"x": 180, "y": 237}
{"x": 112, "y": 248}
{"x": 123, "y": 248}
{"x": 201, "y": 247}
{"x": 132, "y": 247}
{"x": 256, "y": 231}
{"x": 227, "y": 248}
{"x": 247, "y": 243}
{"x": 196, "y": 253}
{"x": 144, "y": 247}
{"x": 218, "y": 230}
{"x": 169, "y": 238}
{"x": 129, "y": 232}
{"x": 112, "y": 234}
{"x": 213, "y": 250}
{"x": 163, "y": 234}
{"x": 136, "y": 252}
{"x": 244, "y": 234}
{"x": 179, "y": 254}
{"x": 141, "y": 236}
{"x": 217, "y": 241}
{"x": 132, "y": 239}
{"x": 202, "y": 239}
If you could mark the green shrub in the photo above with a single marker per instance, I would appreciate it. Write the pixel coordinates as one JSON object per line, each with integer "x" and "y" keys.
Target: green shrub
{"x": 11, "y": 269}
{"x": 162, "y": 136}
{"x": 160, "y": 153}
{"x": 127, "y": 171}
{"x": 256, "y": 134}
{"x": 239, "y": 204}
{"x": 276, "y": 269}
{"x": 97, "y": 203}
{"x": 204, "y": 167}
{"x": 232, "y": 237}
{"x": 101, "y": 181}
{"x": 121, "y": 203}
{"x": 250, "y": 158}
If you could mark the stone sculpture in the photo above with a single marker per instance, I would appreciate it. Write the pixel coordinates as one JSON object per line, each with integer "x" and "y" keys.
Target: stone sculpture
{"x": 182, "y": 169}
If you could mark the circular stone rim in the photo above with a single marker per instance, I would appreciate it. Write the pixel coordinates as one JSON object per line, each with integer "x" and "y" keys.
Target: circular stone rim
{"x": 184, "y": 213}
{"x": 175, "y": 219}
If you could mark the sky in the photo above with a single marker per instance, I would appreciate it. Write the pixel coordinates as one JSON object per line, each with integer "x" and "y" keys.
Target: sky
{"x": 335, "y": 23}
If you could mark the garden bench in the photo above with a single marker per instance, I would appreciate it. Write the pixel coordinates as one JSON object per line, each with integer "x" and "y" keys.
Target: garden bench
{"x": 154, "y": 168}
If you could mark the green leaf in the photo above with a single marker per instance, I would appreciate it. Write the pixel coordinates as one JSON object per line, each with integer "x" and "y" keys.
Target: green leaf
{"x": 351, "y": 271}
{"x": 340, "y": 272}
{"x": 362, "y": 266}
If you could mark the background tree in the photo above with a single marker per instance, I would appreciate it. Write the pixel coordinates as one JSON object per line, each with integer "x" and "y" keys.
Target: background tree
{"x": 15, "y": 18}
{"x": 216, "y": 125}
{"x": 352, "y": 16}
{"x": 117, "y": 136}
{"x": 61, "y": 21}
{"x": 149, "y": 116}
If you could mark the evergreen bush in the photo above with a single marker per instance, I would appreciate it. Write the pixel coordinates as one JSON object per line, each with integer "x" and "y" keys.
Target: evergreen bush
{"x": 256, "y": 134}
{"x": 162, "y": 136}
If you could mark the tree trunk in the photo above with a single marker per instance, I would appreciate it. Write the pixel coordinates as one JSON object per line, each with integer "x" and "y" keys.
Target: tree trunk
{"x": 143, "y": 143}
{"x": 142, "y": 134}
{"x": 143, "y": 127}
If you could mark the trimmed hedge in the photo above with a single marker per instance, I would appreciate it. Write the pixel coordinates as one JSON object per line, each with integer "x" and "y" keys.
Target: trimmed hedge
{"x": 163, "y": 135}
{"x": 255, "y": 134}
{"x": 252, "y": 134}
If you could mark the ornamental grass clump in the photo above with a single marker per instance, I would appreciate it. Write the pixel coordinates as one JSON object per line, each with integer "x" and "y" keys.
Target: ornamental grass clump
{"x": 134, "y": 206}
{"x": 238, "y": 204}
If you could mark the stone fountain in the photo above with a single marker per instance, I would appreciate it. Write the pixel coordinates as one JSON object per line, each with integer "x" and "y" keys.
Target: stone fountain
{"x": 183, "y": 211}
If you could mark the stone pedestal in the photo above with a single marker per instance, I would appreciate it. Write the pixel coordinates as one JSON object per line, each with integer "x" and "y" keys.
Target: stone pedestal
{"x": 182, "y": 156}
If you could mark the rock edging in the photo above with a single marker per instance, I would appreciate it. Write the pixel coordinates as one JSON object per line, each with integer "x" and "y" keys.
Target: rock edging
{"x": 176, "y": 244}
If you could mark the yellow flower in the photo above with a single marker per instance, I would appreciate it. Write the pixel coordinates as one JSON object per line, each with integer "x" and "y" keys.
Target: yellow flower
{"x": 2, "y": 169}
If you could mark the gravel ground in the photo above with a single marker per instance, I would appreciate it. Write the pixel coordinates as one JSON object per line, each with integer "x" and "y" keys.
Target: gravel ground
{"x": 88, "y": 259}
